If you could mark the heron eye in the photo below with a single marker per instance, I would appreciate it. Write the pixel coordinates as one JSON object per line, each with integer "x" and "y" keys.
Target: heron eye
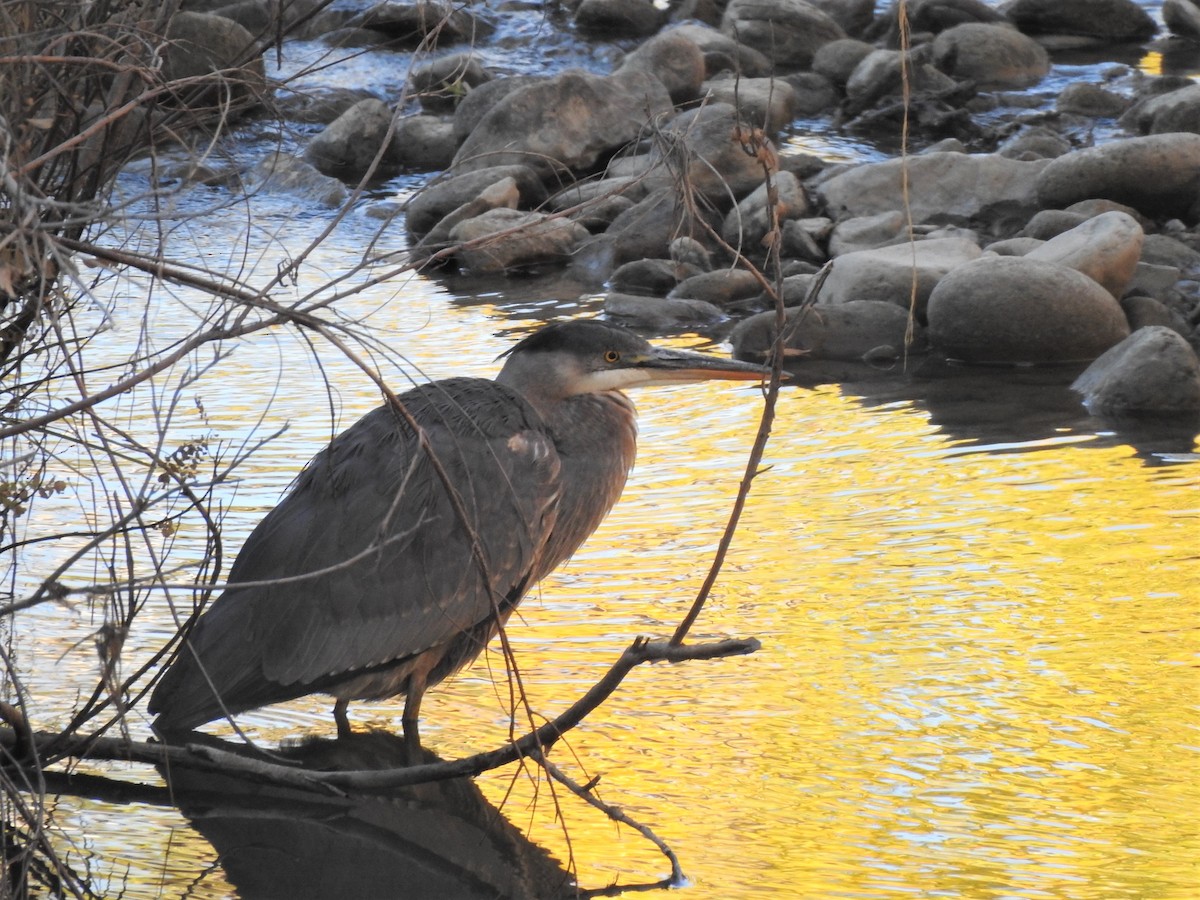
{"x": 611, "y": 356}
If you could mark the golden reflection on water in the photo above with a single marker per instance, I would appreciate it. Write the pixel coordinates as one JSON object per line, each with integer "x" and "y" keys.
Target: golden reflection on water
{"x": 979, "y": 672}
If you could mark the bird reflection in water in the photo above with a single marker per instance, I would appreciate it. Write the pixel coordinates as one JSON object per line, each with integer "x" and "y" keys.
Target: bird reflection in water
{"x": 439, "y": 840}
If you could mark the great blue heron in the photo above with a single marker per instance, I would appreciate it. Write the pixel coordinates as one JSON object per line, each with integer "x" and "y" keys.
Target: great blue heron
{"x": 366, "y": 582}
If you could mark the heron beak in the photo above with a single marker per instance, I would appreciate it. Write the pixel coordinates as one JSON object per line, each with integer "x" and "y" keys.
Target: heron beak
{"x": 668, "y": 366}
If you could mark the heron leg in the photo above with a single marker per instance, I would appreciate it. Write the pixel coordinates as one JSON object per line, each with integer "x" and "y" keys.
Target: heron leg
{"x": 343, "y": 720}
{"x": 412, "y": 710}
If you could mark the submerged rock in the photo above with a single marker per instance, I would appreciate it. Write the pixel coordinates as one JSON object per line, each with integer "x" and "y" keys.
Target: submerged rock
{"x": 860, "y": 330}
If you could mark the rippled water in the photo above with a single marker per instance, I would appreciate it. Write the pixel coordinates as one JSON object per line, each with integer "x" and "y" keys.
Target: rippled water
{"x": 980, "y": 662}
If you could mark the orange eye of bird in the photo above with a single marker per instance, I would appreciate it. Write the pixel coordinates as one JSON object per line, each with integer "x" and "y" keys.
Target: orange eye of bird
{"x": 611, "y": 356}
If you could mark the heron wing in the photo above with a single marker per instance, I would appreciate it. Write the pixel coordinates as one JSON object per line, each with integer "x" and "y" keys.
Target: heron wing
{"x": 389, "y": 570}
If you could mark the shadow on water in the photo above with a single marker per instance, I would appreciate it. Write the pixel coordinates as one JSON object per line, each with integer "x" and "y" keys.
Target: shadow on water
{"x": 1009, "y": 409}
{"x": 439, "y": 839}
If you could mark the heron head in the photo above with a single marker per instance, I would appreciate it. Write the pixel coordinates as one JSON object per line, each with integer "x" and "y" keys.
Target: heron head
{"x": 584, "y": 356}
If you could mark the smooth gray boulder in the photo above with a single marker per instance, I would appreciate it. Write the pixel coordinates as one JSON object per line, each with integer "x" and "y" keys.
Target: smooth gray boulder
{"x": 503, "y": 240}
{"x": 858, "y": 330}
{"x": 1154, "y": 370}
{"x": 718, "y": 47}
{"x": 619, "y": 18}
{"x": 350, "y": 143}
{"x": 674, "y": 59}
{"x": 439, "y": 198}
{"x": 747, "y": 224}
{"x": 1082, "y": 98}
{"x": 409, "y": 22}
{"x": 647, "y": 229}
{"x": 1173, "y": 111}
{"x": 442, "y": 83}
{"x": 660, "y": 313}
{"x": 707, "y": 147}
{"x": 1005, "y": 309}
{"x": 1158, "y": 175}
{"x": 565, "y": 124}
{"x": 1104, "y": 20}
{"x": 867, "y": 232}
{"x": 721, "y": 287}
{"x": 1105, "y": 248}
{"x": 892, "y": 274}
{"x": 219, "y": 57}
{"x": 945, "y": 187}
{"x": 1182, "y": 17}
{"x": 991, "y": 56}
{"x": 424, "y": 143}
{"x": 769, "y": 103}
{"x": 788, "y": 32}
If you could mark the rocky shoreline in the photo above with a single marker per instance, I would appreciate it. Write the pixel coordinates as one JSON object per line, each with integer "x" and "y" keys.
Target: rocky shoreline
{"x": 662, "y": 181}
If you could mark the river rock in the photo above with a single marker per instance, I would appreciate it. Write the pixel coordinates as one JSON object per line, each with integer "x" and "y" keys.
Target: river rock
{"x": 1082, "y": 98}
{"x": 435, "y": 247}
{"x": 1154, "y": 370}
{"x": 867, "y": 232}
{"x": 769, "y": 103}
{"x": 788, "y": 32}
{"x": 565, "y": 124}
{"x": 648, "y": 228}
{"x": 1005, "y": 309}
{"x": 805, "y": 240}
{"x": 707, "y": 146}
{"x": 721, "y": 52}
{"x": 847, "y": 331}
{"x": 1037, "y": 142}
{"x": 283, "y": 173}
{"x": 409, "y": 22}
{"x": 660, "y": 313}
{"x": 1164, "y": 250}
{"x": 438, "y": 198}
{"x": 854, "y": 16}
{"x": 991, "y": 56}
{"x": 350, "y": 143}
{"x": 1143, "y": 311}
{"x": 1111, "y": 21}
{"x": 1182, "y": 17}
{"x": 442, "y": 83}
{"x": 890, "y": 274}
{"x": 934, "y": 16}
{"x": 618, "y": 18}
{"x": 748, "y": 223}
{"x": 480, "y": 100}
{"x": 504, "y": 240}
{"x": 674, "y": 59}
{"x": 1105, "y": 248}
{"x": 984, "y": 190}
{"x": 424, "y": 143}
{"x": 883, "y": 73}
{"x": 1173, "y": 111}
{"x": 317, "y": 105}
{"x": 1050, "y": 223}
{"x": 1153, "y": 282}
{"x": 649, "y": 277}
{"x": 838, "y": 59}
{"x": 218, "y": 54}
{"x": 1158, "y": 175}
{"x": 721, "y": 287}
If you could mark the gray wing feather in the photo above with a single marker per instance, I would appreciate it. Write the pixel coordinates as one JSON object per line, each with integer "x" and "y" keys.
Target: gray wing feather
{"x": 394, "y": 570}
